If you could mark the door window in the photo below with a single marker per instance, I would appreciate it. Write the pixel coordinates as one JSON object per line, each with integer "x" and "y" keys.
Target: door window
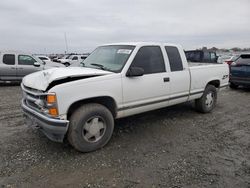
{"x": 9, "y": 59}
{"x": 206, "y": 57}
{"x": 213, "y": 57}
{"x": 26, "y": 60}
{"x": 75, "y": 58}
{"x": 150, "y": 59}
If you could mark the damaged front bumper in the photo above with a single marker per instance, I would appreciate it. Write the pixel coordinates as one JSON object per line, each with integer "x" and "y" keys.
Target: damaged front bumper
{"x": 54, "y": 129}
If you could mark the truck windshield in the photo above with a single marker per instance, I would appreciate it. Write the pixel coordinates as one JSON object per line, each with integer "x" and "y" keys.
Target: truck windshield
{"x": 111, "y": 58}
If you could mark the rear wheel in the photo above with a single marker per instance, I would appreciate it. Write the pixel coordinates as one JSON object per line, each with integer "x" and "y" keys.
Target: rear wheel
{"x": 233, "y": 86}
{"x": 91, "y": 127}
{"x": 208, "y": 100}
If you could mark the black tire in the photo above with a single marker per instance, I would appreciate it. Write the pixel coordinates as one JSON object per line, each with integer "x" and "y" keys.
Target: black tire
{"x": 66, "y": 64}
{"x": 78, "y": 122}
{"x": 204, "y": 104}
{"x": 233, "y": 86}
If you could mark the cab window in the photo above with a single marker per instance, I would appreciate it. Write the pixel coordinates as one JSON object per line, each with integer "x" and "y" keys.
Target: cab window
{"x": 213, "y": 57}
{"x": 150, "y": 59}
{"x": 174, "y": 58}
{"x": 9, "y": 59}
{"x": 75, "y": 58}
{"x": 26, "y": 60}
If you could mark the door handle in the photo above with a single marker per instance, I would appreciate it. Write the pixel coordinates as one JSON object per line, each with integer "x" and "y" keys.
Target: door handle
{"x": 166, "y": 79}
{"x": 13, "y": 67}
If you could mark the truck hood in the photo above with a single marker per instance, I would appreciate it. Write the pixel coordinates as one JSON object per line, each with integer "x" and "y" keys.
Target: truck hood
{"x": 42, "y": 79}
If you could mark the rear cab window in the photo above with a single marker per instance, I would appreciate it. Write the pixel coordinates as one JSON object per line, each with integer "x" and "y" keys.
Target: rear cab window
{"x": 174, "y": 58}
{"x": 9, "y": 59}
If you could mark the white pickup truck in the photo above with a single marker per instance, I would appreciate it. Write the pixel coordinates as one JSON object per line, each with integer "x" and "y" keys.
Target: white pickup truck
{"x": 116, "y": 80}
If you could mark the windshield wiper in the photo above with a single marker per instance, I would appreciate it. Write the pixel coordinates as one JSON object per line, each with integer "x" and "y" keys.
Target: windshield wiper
{"x": 99, "y": 65}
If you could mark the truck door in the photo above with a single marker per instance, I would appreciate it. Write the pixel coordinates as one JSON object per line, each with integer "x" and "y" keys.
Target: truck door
{"x": 179, "y": 76}
{"x": 152, "y": 89}
{"x": 8, "y": 67}
{"x": 26, "y": 65}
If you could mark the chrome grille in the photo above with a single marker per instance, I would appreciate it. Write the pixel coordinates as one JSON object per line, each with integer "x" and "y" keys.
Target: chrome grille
{"x": 34, "y": 98}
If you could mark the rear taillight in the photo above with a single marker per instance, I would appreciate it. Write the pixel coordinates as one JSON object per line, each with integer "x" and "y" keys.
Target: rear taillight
{"x": 229, "y": 62}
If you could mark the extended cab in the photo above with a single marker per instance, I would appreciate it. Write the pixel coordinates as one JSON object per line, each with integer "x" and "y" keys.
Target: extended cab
{"x": 117, "y": 80}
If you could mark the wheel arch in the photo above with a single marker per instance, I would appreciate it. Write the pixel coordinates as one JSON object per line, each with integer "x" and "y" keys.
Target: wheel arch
{"x": 215, "y": 83}
{"x": 106, "y": 101}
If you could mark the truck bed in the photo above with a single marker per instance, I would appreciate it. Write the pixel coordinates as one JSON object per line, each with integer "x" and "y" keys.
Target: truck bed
{"x": 203, "y": 73}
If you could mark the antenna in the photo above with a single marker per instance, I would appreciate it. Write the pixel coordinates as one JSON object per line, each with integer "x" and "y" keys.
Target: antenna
{"x": 66, "y": 43}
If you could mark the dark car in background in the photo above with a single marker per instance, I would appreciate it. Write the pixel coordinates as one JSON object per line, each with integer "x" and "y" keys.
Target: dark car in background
{"x": 240, "y": 72}
{"x": 203, "y": 56}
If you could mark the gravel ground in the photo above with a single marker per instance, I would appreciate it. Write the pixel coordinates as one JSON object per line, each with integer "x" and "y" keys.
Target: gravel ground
{"x": 172, "y": 147}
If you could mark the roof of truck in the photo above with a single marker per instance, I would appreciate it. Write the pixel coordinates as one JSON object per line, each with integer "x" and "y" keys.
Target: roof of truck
{"x": 142, "y": 43}
{"x": 13, "y": 52}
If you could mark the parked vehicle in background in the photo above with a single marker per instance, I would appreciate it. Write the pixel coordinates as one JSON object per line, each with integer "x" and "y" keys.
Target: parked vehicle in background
{"x": 230, "y": 60}
{"x": 201, "y": 56}
{"x": 15, "y": 65}
{"x": 117, "y": 80}
{"x": 55, "y": 58}
{"x": 44, "y": 58}
{"x": 240, "y": 72}
{"x": 48, "y": 61}
{"x": 77, "y": 64}
{"x": 72, "y": 59}
{"x": 223, "y": 58}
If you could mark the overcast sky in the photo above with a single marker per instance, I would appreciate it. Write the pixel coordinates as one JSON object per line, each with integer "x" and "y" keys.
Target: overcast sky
{"x": 39, "y": 26}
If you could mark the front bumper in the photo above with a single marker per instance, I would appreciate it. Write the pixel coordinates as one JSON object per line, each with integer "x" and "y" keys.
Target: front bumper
{"x": 54, "y": 129}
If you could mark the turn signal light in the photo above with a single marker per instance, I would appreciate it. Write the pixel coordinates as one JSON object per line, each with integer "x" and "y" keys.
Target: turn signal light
{"x": 51, "y": 104}
{"x": 53, "y": 112}
{"x": 51, "y": 98}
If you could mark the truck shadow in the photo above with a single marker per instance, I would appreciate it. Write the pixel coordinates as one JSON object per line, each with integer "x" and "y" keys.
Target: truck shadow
{"x": 6, "y": 84}
{"x": 242, "y": 89}
{"x": 155, "y": 117}
{"x": 126, "y": 128}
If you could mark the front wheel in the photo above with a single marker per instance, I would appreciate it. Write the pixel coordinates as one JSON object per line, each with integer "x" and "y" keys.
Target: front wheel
{"x": 91, "y": 127}
{"x": 66, "y": 64}
{"x": 208, "y": 100}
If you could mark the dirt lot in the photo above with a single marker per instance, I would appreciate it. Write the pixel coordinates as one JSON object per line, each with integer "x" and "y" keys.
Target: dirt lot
{"x": 173, "y": 147}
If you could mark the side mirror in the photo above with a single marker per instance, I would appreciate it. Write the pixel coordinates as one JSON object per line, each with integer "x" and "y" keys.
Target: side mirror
{"x": 135, "y": 71}
{"x": 37, "y": 64}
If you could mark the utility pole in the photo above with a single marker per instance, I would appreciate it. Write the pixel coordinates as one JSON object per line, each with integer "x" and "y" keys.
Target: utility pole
{"x": 66, "y": 42}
